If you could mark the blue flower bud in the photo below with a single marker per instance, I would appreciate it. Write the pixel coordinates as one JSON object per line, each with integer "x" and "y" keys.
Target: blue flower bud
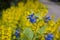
{"x": 17, "y": 34}
{"x": 47, "y": 18}
{"x": 32, "y": 18}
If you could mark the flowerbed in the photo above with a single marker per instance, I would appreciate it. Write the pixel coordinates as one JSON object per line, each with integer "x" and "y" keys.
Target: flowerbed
{"x": 28, "y": 22}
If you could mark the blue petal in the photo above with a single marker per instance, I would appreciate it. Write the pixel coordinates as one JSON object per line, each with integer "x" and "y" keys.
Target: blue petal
{"x": 17, "y": 33}
{"x": 48, "y": 17}
{"x": 50, "y": 36}
{"x": 32, "y": 15}
{"x": 32, "y": 20}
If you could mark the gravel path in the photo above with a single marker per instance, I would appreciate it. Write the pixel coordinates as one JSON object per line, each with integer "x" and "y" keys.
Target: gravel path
{"x": 52, "y": 7}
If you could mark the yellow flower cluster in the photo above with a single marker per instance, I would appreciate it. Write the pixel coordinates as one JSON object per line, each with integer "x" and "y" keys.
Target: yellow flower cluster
{"x": 0, "y": 33}
{"x": 18, "y": 15}
{"x": 6, "y": 33}
{"x": 14, "y": 14}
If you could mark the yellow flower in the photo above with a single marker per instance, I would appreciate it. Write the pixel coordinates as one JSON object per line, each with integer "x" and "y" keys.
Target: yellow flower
{"x": 53, "y": 16}
{"x": 50, "y": 28}
{"x": 22, "y": 35}
{"x": 37, "y": 28}
{"x": 57, "y": 34}
{"x": 20, "y": 4}
{"x": 33, "y": 27}
{"x": 42, "y": 38}
{"x": 58, "y": 22}
{"x": 41, "y": 23}
{"x": 14, "y": 37}
{"x": 51, "y": 23}
{"x": 28, "y": 24}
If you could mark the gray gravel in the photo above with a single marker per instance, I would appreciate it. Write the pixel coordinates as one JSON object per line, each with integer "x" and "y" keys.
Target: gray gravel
{"x": 52, "y": 7}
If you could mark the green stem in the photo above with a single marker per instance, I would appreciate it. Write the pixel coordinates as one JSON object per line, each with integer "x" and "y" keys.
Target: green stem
{"x": 35, "y": 30}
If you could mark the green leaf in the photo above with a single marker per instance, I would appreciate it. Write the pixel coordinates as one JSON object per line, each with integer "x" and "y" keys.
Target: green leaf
{"x": 42, "y": 30}
{"x": 28, "y": 33}
{"x": 37, "y": 39}
{"x": 24, "y": 38}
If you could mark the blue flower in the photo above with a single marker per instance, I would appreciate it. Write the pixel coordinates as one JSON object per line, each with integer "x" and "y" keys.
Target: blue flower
{"x": 32, "y": 18}
{"x": 17, "y": 33}
{"x": 47, "y": 18}
{"x": 49, "y": 37}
